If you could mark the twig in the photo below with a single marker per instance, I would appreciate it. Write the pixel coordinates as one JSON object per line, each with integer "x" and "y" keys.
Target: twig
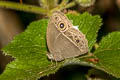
{"x": 71, "y": 4}
{"x": 22, "y": 7}
{"x": 63, "y": 5}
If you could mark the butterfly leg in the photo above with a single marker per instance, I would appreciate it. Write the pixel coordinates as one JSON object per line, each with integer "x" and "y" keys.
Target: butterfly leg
{"x": 50, "y": 57}
{"x": 56, "y": 62}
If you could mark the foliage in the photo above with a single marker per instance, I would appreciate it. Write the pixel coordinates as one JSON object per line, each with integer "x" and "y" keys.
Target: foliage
{"x": 29, "y": 49}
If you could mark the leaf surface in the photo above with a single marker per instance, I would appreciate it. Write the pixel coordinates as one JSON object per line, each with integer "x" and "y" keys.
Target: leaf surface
{"x": 108, "y": 54}
{"x": 29, "y": 49}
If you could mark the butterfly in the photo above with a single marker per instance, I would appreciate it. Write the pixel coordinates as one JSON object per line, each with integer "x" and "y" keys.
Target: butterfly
{"x": 63, "y": 39}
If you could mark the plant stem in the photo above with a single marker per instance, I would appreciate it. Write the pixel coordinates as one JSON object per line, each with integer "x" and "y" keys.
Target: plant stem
{"x": 22, "y": 7}
{"x": 64, "y": 6}
{"x": 61, "y": 6}
{"x": 70, "y": 5}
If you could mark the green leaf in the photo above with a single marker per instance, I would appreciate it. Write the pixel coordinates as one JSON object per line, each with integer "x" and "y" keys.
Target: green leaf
{"x": 29, "y": 44}
{"x": 29, "y": 49}
{"x": 109, "y": 54}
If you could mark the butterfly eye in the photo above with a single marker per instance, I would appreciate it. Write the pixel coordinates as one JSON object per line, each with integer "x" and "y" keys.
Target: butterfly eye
{"x": 62, "y": 26}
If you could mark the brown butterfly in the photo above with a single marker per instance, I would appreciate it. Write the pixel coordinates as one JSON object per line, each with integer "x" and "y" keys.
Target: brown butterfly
{"x": 63, "y": 40}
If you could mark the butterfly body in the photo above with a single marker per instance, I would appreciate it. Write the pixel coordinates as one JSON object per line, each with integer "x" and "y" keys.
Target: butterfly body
{"x": 63, "y": 40}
